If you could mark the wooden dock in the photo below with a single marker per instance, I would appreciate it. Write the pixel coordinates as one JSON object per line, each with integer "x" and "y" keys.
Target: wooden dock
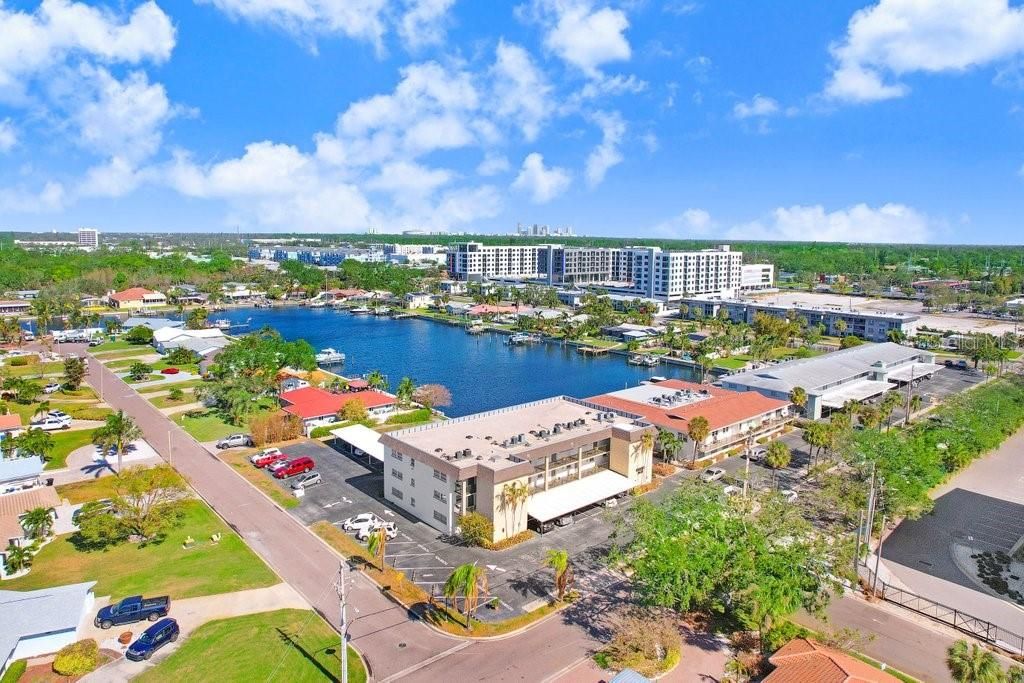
{"x": 592, "y": 350}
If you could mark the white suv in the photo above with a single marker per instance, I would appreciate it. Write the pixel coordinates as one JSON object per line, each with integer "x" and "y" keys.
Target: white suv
{"x": 366, "y": 520}
{"x": 51, "y": 423}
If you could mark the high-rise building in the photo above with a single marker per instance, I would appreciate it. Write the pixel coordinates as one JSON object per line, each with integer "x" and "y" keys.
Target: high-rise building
{"x": 88, "y": 238}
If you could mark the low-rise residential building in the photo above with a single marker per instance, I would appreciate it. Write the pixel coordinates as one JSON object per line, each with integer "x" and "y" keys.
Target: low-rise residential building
{"x": 452, "y": 287}
{"x": 39, "y": 622}
{"x": 418, "y": 300}
{"x": 318, "y": 407}
{"x": 536, "y": 461}
{"x": 136, "y": 298}
{"x": 20, "y": 473}
{"x": 151, "y": 323}
{"x": 10, "y": 427}
{"x": 203, "y": 342}
{"x": 631, "y": 332}
{"x": 291, "y": 383}
{"x": 855, "y": 374}
{"x": 18, "y": 307}
{"x": 733, "y": 416}
{"x": 802, "y": 660}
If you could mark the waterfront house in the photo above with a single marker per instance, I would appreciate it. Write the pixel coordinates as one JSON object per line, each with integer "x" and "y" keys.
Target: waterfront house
{"x": 39, "y": 622}
{"x": 452, "y": 287}
{"x": 630, "y": 332}
{"x": 564, "y": 453}
{"x": 418, "y": 300}
{"x": 203, "y": 342}
{"x": 136, "y": 298}
{"x": 90, "y": 301}
{"x": 291, "y": 383}
{"x": 318, "y": 407}
{"x": 457, "y": 308}
{"x": 343, "y": 294}
{"x": 151, "y": 323}
{"x": 19, "y": 473}
{"x": 732, "y": 416}
{"x": 485, "y": 310}
{"x": 19, "y": 307}
{"x": 14, "y": 507}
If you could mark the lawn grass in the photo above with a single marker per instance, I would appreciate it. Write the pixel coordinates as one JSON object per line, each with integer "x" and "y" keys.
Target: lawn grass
{"x": 239, "y": 461}
{"x": 111, "y": 357}
{"x": 124, "y": 363}
{"x": 35, "y": 369}
{"x": 730, "y": 363}
{"x": 149, "y": 378}
{"x": 90, "y": 489}
{"x": 82, "y": 392}
{"x": 599, "y": 343}
{"x": 114, "y": 346}
{"x": 212, "y": 424}
{"x": 184, "y": 367}
{"x": 187, "y": 384}
{"x": 418, "y": 415}
{"x": 290, "y": 645}
{"x": 166, "y": 402}
{"x": 64, "y": 443}
{"x": 158, "y": 568}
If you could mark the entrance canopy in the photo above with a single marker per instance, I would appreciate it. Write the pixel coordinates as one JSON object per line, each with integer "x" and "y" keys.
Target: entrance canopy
{"x": 854, "y": 391}
{"x": 561, "y": 500}
{"x": 914, "y": 370}
{"x": 363, "y": 441}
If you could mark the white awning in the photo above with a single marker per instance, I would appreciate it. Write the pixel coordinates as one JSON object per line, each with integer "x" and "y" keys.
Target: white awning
{"x": 567, "y": 498}
{"x": 362, "y": 439}
{"x": 916, "y": 370}
{"x": 854, "y": 391}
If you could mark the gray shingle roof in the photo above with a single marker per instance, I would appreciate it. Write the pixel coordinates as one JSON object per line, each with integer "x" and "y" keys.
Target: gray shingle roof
{"x": 15, "y": 469}
{"x": 30, "y": 613}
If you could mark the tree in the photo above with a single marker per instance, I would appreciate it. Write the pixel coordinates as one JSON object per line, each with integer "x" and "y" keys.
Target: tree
{"x": 34, "y": 442}
{"x": 17, "y": 558}
{"x": 469, "y": 581}
{"x": 140, "y": 334}
{"x": 778, "y": 455}
{"x": 405, "y": 389}
{"x": 182, "y": 356}
{"x": 376, "y": 380}
{"x": 139, "y": 371}
{"x": 38, "y": 522}
{"x": 513, "y": 495}
{"x": 117, "y": 432}
{"x": 146, "y": 504}
{"x": 973, "y": 663}
{"x": 74, "y": 373}
{"x": 175, "y": 394}
{"x": 431, "y": 396}
{"x": 558, "y": 562}
{"x": 197, "y": 319}
{"x": 475, "y": 529}
{"x": 850, "y": 341}
{"x": 916, "y": 401}
{"x": 670, "y": 442}
{"x": 798, "y": 397}
{"x": 355, "y": 411}
{"x": 377, "y": 544}
{"x": 840, "y": 327}
{"x": 698, "y": 429}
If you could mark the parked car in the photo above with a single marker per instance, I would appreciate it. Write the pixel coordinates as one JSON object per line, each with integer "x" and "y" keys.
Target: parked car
{"x": 757, "y": 453}
{"x": 962, "y": 364}
{"x": 283, "y": 470}
{"x": 390, "y": 531}
{"x": 51, "y": 388}
{"x": 564, "y": 520}
{"x": 28, "y": 336}
{"x": 152, "y": 639}
{"x": 131, "y": 610}
{"x": 51, "y": 423}
{"x": 307, "y": 480}
{"x": 59, "y": 414}
{"x": 712, "y": 474}
{"x": 610, "y": 502}
{"x": 95, "y": 342}
{"x": 360, "y": 521}
{"x": 268, "y": 456}
{"x": 235, "y": 441}
{"x": 170, "y": 371}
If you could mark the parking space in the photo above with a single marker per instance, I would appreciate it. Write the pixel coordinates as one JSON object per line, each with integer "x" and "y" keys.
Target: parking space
{"x": 517, "y": 576}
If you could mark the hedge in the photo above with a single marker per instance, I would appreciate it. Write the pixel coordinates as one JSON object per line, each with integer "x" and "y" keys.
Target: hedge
{"x": 77, "y": 659}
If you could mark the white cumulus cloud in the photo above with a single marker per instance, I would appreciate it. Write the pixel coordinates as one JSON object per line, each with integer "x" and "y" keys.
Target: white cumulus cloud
{"x": 690, "y": 223}
{"x": 540, "y": 182}
{"x": 581, "y": 34}
{"x": 424, "y": 22}
{"x": 895, "y": 38}
{"x": 759, "y": 106}
{"x": 8, "y": 135}
{"x": 522, "y": 93}
{"x": 606, "y": 154}
{"x": 896, "y": 223}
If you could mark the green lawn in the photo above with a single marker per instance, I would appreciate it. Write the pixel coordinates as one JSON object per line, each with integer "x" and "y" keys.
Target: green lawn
{"x": 133, "y": 352}
{"x": 149, "y": 378}
{"x": 90, "y": 489}
{"x": 63, "y": 445}
{"x": 209, "y": 426}
{"x": 187, "y": 384}
{"x": 239, "y": 461}
{"x": 166, "y": 402}
{"x": 157, "y": 569}
{"x": 114, "y": 346}
{"x": 184, "y": 367}
{"x": 290, "y": 645}
{"x": 82, "y": 392}
{"x": 730, "y": 363}
{"x": 123, "y": 363}
{"x": 599, "y": 343}
{"x": 35, "y": 369}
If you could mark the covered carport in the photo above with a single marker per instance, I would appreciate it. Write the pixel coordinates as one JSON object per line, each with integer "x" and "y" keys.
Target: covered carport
{"x": 860, "y": 390}
{"x": 561, "y": 500}
{"x": 913, "y": 372}
{"x": 361, "y": 443}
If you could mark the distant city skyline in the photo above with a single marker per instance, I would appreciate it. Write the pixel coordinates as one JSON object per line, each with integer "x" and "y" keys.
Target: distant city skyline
{"x": 885, "y": 121}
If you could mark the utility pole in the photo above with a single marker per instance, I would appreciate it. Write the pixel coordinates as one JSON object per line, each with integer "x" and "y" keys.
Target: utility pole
{"x": 910, "y": 393}
{"x": 170, "y": 449}
{"x": 340, "y": 588}
{"x": 878, "y": 556}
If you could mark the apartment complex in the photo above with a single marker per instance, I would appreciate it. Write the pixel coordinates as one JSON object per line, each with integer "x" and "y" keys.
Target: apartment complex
{"x": 872, "y": 326}
{"x": 640, "y": 271}
{"x": 565, "y": 454}
{"x": 88, "y": 238}
{"x": 757, "y": 277}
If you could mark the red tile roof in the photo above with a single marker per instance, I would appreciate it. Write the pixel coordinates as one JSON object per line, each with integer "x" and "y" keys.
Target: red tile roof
{"x": 312, "y": 402}
{"x": 802, "y": 660}
{"x": 131, "y": 294}
{"x": 358, "y": 384}
{"x": 724, "y": 408}
{"x": 489, "y": 309}
{"x": 9, "y": 422}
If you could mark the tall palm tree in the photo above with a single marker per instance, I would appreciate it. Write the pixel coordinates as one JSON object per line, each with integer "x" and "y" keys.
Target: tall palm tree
{"x": 38, "y": 522}
{"x": 469, "y": 581}
{"x": 698, "y": 429}
{"x": 973, "y": 664}
{"x": 377, "y": 544}
{"x": 915, "y": 405}
{"x": 512, "y": 496}
{"x": 558, "y": 561}
{"x": 670, "y": 443}
{"x": 376, "y": 380}
{"x": 17, "y": 558}
{"x": 798, "y": 397}
{"x": 118, "y": 431}
{"x": 404, "y": 391}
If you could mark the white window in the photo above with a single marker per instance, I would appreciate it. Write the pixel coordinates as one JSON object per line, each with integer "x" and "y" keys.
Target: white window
{"x": 397, "y": 493}
{"x": 396, "y": 474}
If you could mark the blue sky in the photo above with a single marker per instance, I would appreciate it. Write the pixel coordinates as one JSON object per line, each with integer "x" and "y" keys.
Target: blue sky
{"x": 898, "y": 120}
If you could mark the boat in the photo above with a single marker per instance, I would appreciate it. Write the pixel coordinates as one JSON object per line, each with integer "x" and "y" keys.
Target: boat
{"x": 645, "y": 360}
{"x": 330, "y": 357}
{"x": 318, "y": 303}
{"x": 382, "y": 310}
{"x": 360, "y": 310}
{"x": 475, "y": 328}
{"x": 520, "y": 338}
{"x": 222, "y": 324}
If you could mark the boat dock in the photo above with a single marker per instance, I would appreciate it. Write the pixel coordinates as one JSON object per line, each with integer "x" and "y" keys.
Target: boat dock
{"x": 592, "y": 350}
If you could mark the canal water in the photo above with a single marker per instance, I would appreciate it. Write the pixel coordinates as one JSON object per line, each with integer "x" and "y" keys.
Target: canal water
{"x": 481, "y": 371}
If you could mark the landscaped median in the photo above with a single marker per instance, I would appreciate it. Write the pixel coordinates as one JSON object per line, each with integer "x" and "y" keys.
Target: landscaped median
{"x": 289, "y": 644}
{"x": 395, "y": 584}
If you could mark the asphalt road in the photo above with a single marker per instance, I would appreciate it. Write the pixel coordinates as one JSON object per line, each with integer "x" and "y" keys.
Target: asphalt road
{"x": 396, "y": 645}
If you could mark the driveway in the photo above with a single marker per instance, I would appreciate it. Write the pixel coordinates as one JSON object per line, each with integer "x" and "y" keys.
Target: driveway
{"x": 88, "y": 463}
{"x": 190, "y": 615}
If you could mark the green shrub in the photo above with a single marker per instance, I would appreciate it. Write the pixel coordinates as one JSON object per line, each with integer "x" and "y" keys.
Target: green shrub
{"x": 77, "y": 659}
{"x": 19, "y": 362}
{"x": 175, "y": 394}
{"x": 139, "y": 335}
{"x": 781, "y": 633}
{"x": 420, "y": 415}
{"x": 14, "y": 671}
{"x": 321, "y": 432}
{"x": 476, "y": 529}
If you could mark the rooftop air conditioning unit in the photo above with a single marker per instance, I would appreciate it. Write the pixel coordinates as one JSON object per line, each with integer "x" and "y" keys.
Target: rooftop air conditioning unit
{"x": 468, "y": 452}
{"x": 558, "y": 429}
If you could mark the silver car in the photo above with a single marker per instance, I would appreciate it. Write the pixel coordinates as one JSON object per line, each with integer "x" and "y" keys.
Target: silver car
{"x": 712, "y": 474}
{"x": 307, "y": 480}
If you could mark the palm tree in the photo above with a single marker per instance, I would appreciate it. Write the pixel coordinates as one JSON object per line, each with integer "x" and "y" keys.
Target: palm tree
{"x": 915, "y": 405}
{"x": 376, "y": 380}
{"x": 38, "y": 522}
{"x": 698, "y": 429}
{"x": 34, "y": 442}
{"x": 377, "y": 543}
{"x": 973, "y": 664}
{"x": 798, "y": 397}
{"x": 558, "y": 560}
{"x": 670, "y": 443}
{"x": 118, "y": 431}
{"x": 42, "y": 409}
{"x": 840, "y": 327}
{"x": 404, "y": 391}
{"x": 512, "y": 496}
{"x": 469, "y": 581}
{"x": 17, "y": 558}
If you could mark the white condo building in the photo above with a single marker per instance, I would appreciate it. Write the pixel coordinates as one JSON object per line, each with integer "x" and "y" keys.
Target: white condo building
{"x": 88, "y": 238}
{"x": 642, "y": 271}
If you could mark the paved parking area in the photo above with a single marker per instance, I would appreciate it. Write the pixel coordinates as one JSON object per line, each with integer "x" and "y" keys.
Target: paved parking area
{"x": 517, "y": 576}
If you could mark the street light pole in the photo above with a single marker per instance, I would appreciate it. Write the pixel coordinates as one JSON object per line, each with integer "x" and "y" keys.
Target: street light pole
{"x": 340, "y": 587}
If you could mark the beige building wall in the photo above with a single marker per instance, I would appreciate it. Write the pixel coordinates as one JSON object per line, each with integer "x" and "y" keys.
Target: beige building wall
{"x": 631, "y": 459}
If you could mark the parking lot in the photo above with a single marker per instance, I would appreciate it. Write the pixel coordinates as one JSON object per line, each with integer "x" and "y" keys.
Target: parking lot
{"x": 517, "y": 576}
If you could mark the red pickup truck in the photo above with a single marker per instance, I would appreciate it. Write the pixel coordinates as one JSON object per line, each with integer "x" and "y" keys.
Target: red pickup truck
{"x": 267, "y": 457}
{"x": 293, "y": 467}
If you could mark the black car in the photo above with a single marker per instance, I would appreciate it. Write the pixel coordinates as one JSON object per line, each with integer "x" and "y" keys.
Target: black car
{"x": 152, "y": 639}
{"x": 131, "y": 610}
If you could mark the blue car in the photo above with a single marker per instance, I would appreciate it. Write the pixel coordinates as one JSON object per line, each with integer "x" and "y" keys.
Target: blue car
{"x": 152, "y": 639}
